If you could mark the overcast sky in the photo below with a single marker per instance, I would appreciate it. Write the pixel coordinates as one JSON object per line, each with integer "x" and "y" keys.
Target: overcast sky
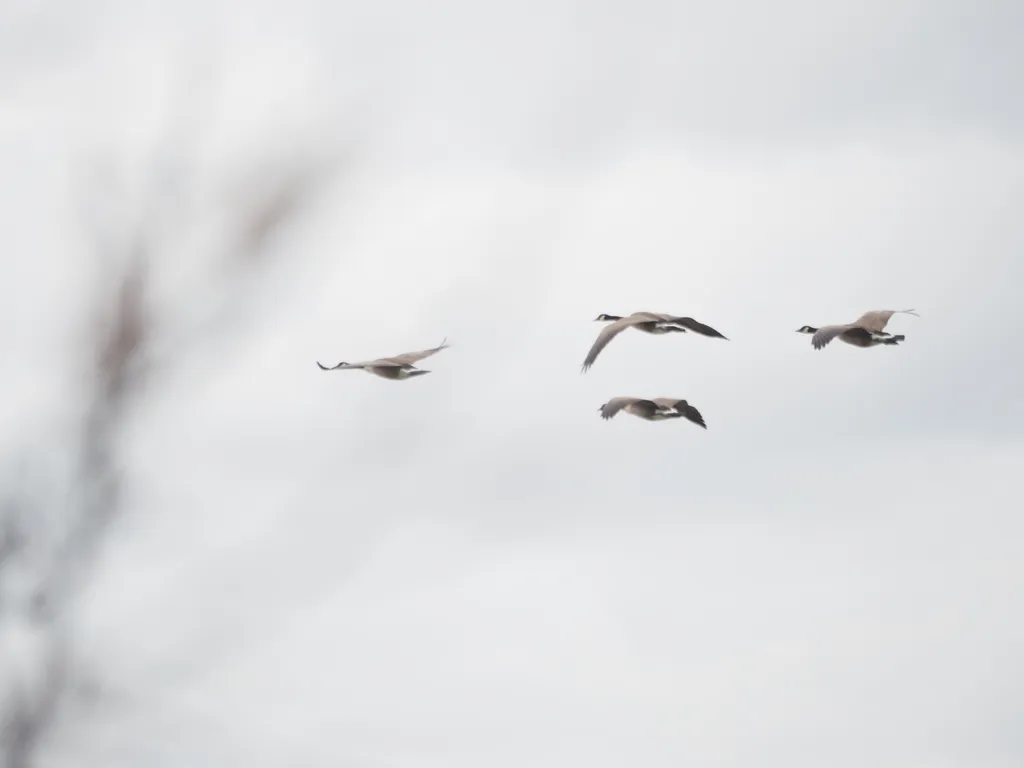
{"x": 472, "y": 568}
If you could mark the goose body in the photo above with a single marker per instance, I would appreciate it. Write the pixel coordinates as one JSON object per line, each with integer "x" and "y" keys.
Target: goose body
{"x": 868, "y": 330}
{"x": 653, "y": 409}
{"x": 397, "y": 368}
{"x": 649, "y": 322}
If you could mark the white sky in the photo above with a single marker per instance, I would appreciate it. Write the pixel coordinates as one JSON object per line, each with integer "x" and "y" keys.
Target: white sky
{"x": 473, "y": 568}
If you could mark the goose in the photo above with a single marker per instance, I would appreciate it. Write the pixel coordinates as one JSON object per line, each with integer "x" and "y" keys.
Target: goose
{"x": 868, "y": 330}
{"x": 648, "y": 322}
{"x": 653, "y": 409}
{"x": 399, "y": 367}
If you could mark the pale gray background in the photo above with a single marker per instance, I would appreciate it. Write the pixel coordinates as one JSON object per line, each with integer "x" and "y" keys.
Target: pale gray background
{"x": 472, "y": 569}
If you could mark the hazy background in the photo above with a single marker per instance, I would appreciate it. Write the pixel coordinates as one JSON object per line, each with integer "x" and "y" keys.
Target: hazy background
{"x": 472, "y": 568}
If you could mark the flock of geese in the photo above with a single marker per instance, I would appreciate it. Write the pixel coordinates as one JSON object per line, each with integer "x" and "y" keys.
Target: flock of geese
{"x": 868, "y": 330}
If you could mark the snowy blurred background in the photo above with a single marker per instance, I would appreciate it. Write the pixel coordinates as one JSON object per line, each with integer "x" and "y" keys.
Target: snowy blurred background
{"x": 213, "y": 554}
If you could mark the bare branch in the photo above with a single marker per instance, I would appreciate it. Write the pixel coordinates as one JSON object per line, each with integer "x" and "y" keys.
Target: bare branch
{"x": 32, "y": 712}
{"x": 119, "y": 352}
{"x": 273, "y": 195}
{"x": 12, "y": 537}
{"x": 127, "y": 244}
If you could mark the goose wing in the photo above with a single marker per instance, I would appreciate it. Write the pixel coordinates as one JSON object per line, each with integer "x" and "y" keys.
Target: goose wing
{"x": 692, "y": 325}
{"x": 409, "y": 358}
{"x": 876, "y": 320}
{"x": 686, "y": 410}
{"x": 649, "y": 317}
{"x": 345, "y": 366}
{"x": 826, "y": 333}
{"x": 616, "y": 404}
{"x": 612, "y": 330}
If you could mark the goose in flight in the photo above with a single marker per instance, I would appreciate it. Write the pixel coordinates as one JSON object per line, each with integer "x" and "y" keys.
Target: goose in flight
{"x": 648, "y": 322}
{"x": 868, "y": 330}
{"x": 399, "y": 367}
{"x": 653, "y": 409}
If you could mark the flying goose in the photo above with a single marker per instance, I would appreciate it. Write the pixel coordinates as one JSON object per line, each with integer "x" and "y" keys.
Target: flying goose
{"x": 648, "y": 322}
{"x": 868, "y": 330}
{"x": 399, "y": 367}
{"x": 653, "y": 409}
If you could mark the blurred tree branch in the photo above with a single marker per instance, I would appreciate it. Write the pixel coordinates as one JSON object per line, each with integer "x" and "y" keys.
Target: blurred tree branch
{"x": 123, "y": 329}
{"x": 275, "y": 196}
